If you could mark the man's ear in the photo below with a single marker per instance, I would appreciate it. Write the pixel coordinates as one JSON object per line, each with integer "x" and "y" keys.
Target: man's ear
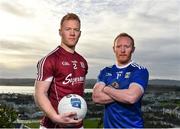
{"x": 80, "y": 34}
{"x": 113, "y": 49}
{"x": 60, "y": 32}
{"x": 133, "y": 49}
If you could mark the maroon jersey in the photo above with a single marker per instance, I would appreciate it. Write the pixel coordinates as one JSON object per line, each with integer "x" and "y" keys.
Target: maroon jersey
{"x": 66, "y": 71}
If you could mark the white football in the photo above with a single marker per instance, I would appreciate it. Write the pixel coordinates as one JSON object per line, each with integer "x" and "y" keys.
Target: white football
{"x": 73, "y": 103}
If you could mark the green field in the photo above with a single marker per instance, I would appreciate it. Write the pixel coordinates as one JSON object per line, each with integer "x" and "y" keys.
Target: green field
{"x": 88, "y": 123}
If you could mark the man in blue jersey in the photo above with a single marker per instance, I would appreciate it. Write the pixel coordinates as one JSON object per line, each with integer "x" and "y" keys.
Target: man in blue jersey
{"x": 120, "y": 87}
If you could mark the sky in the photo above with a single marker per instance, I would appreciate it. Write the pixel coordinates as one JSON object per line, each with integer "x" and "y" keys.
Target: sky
{"x": 29, "y": 31}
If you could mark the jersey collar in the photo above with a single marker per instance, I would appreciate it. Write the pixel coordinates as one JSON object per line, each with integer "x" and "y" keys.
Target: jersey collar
{"x": 124, "y": 66}
{"x": 66, "y": 52}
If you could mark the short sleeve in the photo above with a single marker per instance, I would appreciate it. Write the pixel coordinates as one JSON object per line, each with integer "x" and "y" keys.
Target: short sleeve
{"x": 86, "y": 65}
{"x": 102, "y": 77}
{"x": 45, "y": 69}
{"x": 141, "y": 77}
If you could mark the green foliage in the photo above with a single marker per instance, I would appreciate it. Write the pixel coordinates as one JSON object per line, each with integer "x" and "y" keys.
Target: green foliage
{"x": 7, "y": 116}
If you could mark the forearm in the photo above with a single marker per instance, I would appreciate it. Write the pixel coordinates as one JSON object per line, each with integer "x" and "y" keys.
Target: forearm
{"x": 99, "y": 96}
{"x": 102, "y": 98}
{"x": 123, "y": 95}
{"x": 43, "y": 102}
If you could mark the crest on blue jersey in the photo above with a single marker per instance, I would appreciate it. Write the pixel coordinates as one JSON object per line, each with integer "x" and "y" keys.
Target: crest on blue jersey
{"x": 127, "y": 75}
{"x": 76, "y": 102}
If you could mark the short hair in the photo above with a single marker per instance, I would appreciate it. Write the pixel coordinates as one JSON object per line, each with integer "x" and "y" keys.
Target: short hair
{"x": 124, "y": 35}
{"x": 70, "y": 16}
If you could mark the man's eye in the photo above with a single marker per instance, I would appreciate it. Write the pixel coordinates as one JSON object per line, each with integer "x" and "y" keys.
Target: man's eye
{"x": 77, "y": 30}
{"x": 68, "y": 29}
{"x": 127, "y": 46}
{"x": 118, "y": 46}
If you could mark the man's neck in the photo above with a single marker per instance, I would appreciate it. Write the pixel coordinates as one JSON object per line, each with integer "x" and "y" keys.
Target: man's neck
{"x": 123, "y": 65}
{"x": 68, "y": 49}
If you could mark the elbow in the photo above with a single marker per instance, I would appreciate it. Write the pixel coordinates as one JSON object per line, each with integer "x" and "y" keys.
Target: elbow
{"x": 95, "y": 98}
{"x": 131, "y": 100}
{"x": 36, "y": 99}
{"x": 38, "y": 96}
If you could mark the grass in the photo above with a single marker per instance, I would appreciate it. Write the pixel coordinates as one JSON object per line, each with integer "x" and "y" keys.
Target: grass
{"x": 88, "y": 123}
{"x": 33, "y": 125}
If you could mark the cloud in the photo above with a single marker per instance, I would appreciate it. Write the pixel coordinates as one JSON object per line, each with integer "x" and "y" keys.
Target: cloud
{"x": 160, "y": 56}
{"x": 14, "y": 45}
{"x": 24, "y": 72}
{"x": 19, "y": 54}
{"x": 155, "y": 26}
{"x": 26, "y": 45}
{"x": 16, "y": 8}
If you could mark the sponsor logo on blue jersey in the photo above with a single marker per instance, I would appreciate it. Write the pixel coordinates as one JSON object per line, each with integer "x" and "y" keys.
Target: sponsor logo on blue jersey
{"x": 115, "y": 85}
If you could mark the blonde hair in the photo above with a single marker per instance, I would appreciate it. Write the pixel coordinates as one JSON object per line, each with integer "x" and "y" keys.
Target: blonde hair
{"x": 70, "y": 16}
{"x": 124, "y": 35}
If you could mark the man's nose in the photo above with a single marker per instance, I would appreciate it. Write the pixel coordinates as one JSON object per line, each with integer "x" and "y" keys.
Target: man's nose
{"x": 72, "y": 32}
{"x": 122, "y": 49}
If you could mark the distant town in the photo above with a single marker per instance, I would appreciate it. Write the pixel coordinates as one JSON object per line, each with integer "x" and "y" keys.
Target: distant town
{"x": 161, "y": 103}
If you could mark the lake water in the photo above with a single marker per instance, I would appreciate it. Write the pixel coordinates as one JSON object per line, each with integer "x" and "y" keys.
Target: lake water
{"x": 23, "y": 89}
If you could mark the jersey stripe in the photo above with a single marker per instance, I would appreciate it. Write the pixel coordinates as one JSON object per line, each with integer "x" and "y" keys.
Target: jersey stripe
{"x": 56, "y": 92}
{"x": 41, "y": 65}
{"x": 40, "y": 68}
{"x": 136, "y": 65}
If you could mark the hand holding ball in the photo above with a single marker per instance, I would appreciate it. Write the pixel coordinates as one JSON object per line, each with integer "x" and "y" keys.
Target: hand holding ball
{"x": 73, "y": 103}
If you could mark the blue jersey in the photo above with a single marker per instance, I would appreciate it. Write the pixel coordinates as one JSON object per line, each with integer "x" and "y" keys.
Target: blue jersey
{"x": 117, "y": 114}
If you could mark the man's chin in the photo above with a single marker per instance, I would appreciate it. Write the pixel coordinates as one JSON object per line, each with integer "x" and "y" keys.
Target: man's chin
{"x": 71, "y": 45}
{"x": 123, "y": 62}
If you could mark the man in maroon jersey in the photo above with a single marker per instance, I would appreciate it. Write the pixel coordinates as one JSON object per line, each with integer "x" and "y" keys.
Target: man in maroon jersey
{"x": 61, "y": 72}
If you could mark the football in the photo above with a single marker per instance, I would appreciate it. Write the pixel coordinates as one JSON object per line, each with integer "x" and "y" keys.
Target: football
{"x": 73, "y": 103}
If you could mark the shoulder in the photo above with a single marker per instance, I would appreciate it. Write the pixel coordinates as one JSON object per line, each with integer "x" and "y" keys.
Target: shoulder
{"x": 80, "y": 56}
{"x": 50, "y": 57}
{"x": 139, "y": 68}
{"x": 107, "y": 68}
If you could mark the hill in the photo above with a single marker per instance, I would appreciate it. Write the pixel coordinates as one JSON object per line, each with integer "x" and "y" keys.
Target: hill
{"x": 164, "y": 82}
{"x": 30, "y": 82}
{"x": 89, "y": 82}
{"x": 161, "y": 83}
{"x": 17, "y": 81}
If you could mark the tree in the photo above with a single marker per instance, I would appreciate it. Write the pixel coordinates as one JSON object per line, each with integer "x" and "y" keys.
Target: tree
{"x": 7, "y": 116}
